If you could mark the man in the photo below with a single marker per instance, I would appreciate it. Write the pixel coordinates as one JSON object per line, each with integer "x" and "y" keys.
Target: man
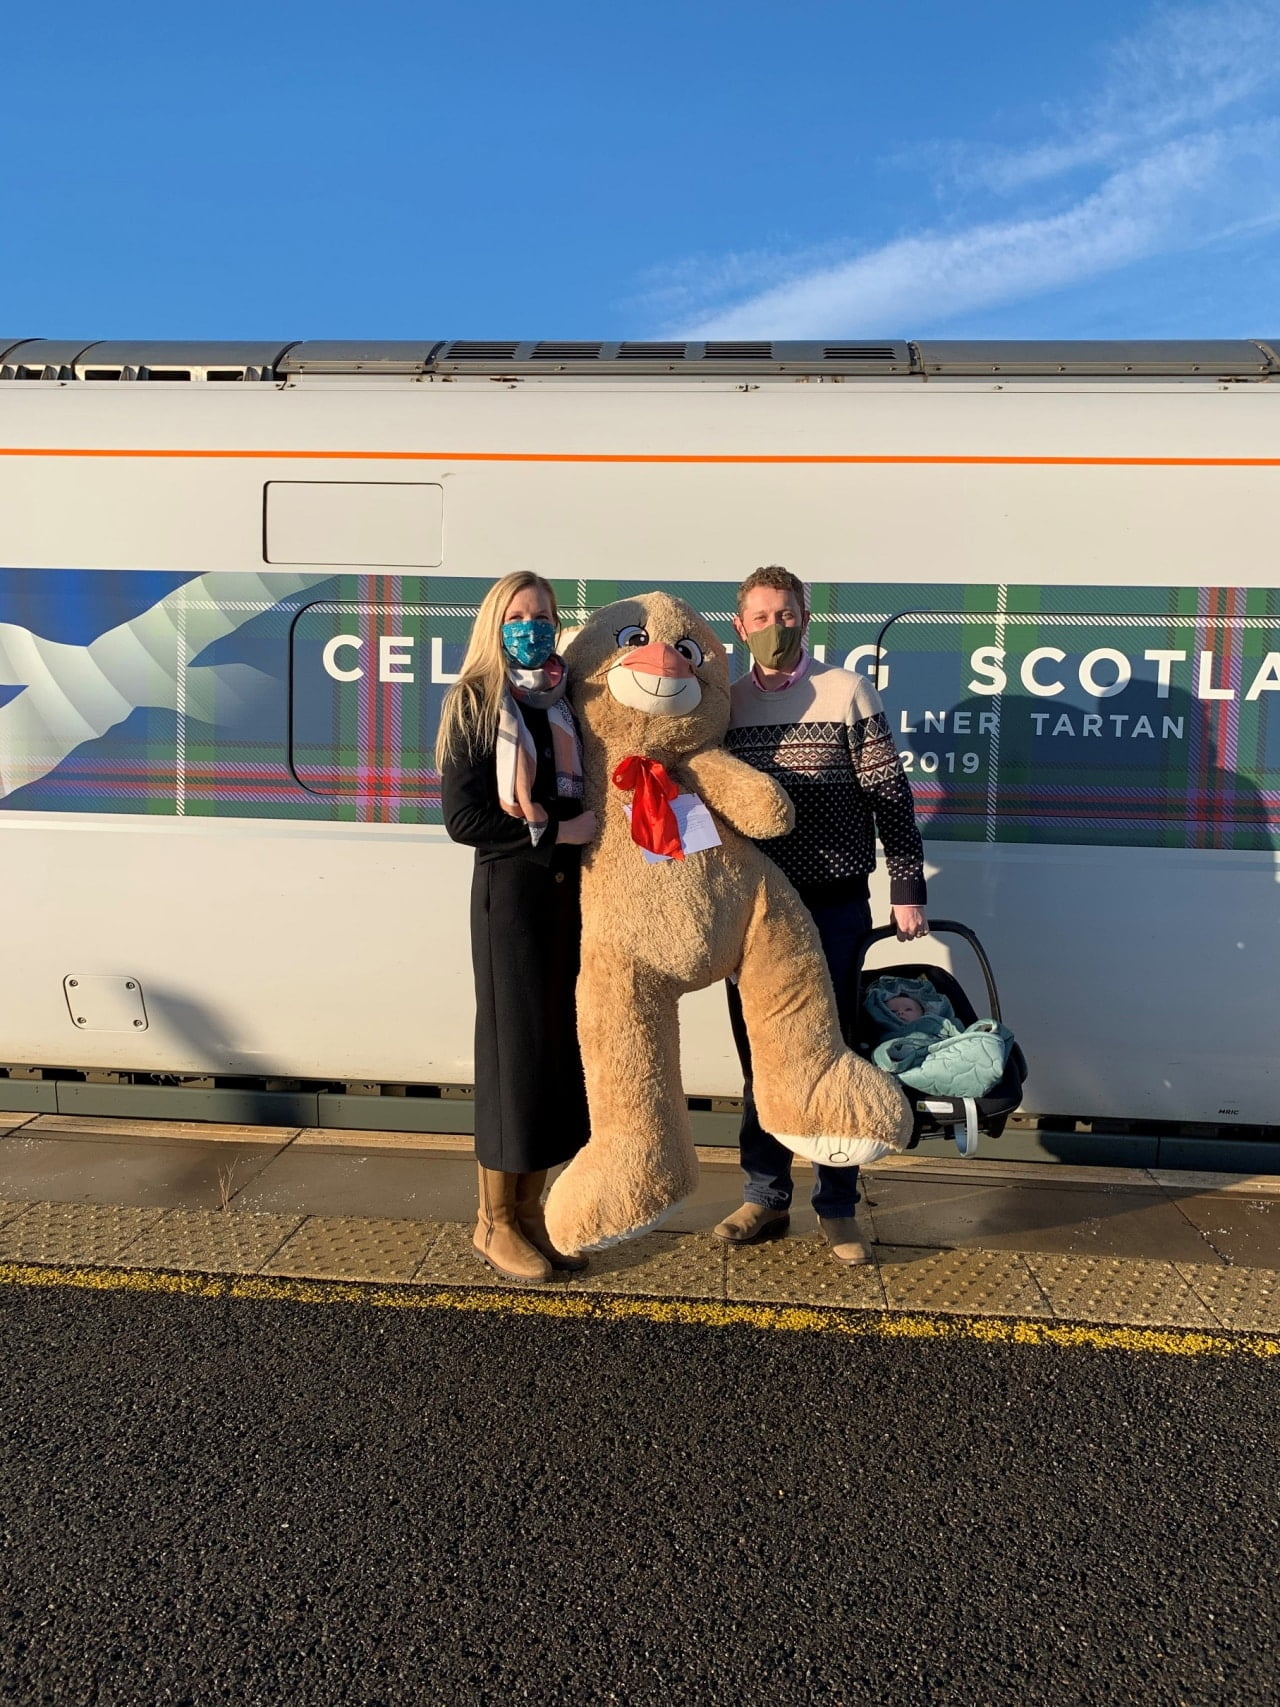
{"x": 822, "y": 733}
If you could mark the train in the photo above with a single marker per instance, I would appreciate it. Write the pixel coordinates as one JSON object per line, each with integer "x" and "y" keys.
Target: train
{"x": 236, "y": 580}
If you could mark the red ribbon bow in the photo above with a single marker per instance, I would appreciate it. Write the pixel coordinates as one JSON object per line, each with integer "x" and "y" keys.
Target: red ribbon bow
{"x": 653, "y": 823}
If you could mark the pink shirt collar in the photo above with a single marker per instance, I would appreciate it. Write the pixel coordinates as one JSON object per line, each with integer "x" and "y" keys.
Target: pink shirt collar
{"x": 787, "y": 681}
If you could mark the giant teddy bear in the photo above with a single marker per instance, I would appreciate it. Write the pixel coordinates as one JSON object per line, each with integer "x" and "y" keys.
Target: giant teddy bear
{"x": 663, "y": 913}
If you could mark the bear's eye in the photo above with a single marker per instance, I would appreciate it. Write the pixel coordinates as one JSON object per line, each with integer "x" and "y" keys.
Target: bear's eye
{"x": 690, "y": 649}
{"x": 632, "y": 636}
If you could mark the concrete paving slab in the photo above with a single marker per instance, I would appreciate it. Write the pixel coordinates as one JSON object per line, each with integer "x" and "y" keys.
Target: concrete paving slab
{"x": 1085, "y": 1221}
{"x": 318, "y": 1180}
{"x": 348, "y": 1138}
{"x": 1243, "y": 1185}
{"x": 451, "y": 1260}
{"x": 1138, "y": 1294}
{"x": 352, "y": 1247}
{"x": 965, "y": 1283}
{"x": 1246, "y": 1300}
{"x": 979, "y": 1171}
{"x": 212, "y": 1241}
{"x": 661, "y": 1265}
{"x": 1244, "y": 1231}
{"x": 800, "y": 1271}
{"x": 74, "y": 1234}
{"x": 9, "y": 1210}
{"x": 191, "y": 1175}
{"x": 204, "y": 1131}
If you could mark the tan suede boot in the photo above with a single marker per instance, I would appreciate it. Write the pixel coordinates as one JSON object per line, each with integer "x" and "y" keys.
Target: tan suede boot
{"x": 498, "y": 1239}
{"x": 753, "y": 1224}
{"x": 844, "y": 1236}
{"x": 532, "y": 1223}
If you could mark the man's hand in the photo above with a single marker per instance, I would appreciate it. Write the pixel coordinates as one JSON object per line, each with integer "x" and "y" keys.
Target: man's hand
{"x": 910, "y": 922}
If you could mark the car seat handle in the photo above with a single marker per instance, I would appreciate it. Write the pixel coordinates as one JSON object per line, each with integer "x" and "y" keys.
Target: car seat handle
{"x": 941, "y": 927}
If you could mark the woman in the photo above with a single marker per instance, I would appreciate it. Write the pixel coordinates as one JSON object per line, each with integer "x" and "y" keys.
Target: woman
{"x": 511, "y": 770}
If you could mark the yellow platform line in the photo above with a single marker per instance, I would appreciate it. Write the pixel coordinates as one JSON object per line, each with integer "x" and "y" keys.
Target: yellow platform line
{"x": 563, "y": 1306}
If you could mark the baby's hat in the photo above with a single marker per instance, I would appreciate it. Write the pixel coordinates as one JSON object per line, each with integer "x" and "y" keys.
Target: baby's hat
{"x": 882, "y": 992}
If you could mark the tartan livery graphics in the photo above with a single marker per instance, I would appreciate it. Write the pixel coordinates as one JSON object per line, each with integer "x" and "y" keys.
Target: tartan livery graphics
{"x": 1106, "y": 715}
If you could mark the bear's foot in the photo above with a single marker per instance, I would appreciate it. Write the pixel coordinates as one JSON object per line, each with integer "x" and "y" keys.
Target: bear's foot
{"x": 603, "y": 1199}
{"x": 836, "y": 1152}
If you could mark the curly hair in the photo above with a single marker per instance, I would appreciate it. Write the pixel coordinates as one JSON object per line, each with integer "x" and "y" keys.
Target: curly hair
{"x": 780, "y": 579}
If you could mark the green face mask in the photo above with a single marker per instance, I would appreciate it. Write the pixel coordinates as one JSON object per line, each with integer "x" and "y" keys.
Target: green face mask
{"x": 776, "y": 647}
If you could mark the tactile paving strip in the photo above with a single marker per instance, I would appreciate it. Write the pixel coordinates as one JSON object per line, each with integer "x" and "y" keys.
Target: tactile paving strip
{"x": 660, "y": 1265}
{"x": 1245, "y": 1299}
{"x": 351, "y": 1247}
{"x": 213, "y": 1241}
{"x": 965, "y": 1283}
{"x": 71, "y": 1234}
{"x": 801, "y": 1271}
{"x": 1138, "y": 1294}
{"x": 9, "y": 1210}
{"x": 452, "y": 1261}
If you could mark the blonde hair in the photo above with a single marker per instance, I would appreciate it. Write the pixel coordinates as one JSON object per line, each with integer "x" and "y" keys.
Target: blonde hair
{"x": 469, "y": 716}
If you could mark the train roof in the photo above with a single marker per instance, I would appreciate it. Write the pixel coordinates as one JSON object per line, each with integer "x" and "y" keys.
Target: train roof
{"x": 274, "y": 359}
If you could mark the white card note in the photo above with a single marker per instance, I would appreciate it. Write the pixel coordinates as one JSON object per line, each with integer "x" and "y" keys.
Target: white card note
{"x": 694, "y": 824}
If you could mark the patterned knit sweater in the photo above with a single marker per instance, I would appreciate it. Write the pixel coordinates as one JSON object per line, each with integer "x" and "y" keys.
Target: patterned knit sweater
{"x": 827, "y": 741}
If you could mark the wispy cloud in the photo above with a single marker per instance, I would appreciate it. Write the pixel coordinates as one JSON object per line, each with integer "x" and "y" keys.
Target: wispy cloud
{"x": 1175, "y": 150}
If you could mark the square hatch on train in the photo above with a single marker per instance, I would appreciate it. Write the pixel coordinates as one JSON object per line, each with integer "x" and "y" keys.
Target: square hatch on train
{"x": 353, "y": 523}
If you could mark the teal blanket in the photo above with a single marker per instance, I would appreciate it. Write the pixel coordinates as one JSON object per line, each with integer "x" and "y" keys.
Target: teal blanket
{"x": 930, "y": 1051}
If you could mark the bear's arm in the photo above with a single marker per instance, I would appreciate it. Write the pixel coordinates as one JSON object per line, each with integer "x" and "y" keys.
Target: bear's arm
{"x": 753, "y": 803}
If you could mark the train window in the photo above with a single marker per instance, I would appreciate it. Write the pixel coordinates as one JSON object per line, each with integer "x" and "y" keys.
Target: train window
{"x": 360, "y": 524}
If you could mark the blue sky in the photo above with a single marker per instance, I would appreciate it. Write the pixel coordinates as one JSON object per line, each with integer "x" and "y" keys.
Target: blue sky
{"x": 1018, "y": 168}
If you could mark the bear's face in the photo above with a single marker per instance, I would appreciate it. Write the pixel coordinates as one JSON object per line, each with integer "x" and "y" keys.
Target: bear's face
{"x": 648, "y": 676}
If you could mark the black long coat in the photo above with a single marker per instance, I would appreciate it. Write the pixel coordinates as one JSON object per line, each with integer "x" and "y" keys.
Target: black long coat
{"x": 526, "y": 922}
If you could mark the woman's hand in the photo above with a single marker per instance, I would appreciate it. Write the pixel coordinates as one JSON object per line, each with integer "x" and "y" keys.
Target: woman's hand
{"x": 577, "y": 832}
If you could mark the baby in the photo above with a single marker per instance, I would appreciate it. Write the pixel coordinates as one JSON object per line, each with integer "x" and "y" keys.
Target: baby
{"x": 926, "y": 1046}
{"x": 896, "y": 1005}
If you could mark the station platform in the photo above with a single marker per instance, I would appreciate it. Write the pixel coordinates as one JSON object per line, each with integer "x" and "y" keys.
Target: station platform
{"x": 985, "y": 1239}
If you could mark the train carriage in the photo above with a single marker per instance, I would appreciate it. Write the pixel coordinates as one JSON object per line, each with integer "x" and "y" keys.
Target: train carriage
{"x": 236, "y": 580}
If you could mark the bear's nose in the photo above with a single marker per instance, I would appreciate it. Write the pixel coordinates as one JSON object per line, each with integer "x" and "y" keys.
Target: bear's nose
{"x": 657, "y": 659}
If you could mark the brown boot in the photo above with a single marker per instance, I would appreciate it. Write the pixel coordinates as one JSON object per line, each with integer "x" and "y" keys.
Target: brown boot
{"x": 753, "y": 1224}
{"x": 844, "y": 1236}
{"x": 532, "y": 1223}
{"x": 498, "y": 1239}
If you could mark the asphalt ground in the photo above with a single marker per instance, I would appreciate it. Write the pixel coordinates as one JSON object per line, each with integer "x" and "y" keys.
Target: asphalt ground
{"x": 217, "y": 1499}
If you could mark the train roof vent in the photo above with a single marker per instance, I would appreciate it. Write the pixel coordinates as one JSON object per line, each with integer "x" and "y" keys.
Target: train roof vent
{"x": 1098, "y": 359}
{"x": 461, "y": 350}
{"x": 669, "y": 356}
{"x": 215, "y": 359}
{"x": 372, "y": 357}
{"x": 42, "y": 358}
{"x": 726, "y": 351}
{"x": 652, "y": 352}
{"x": 570, "y": 352}
{"x": 861, "y": 352}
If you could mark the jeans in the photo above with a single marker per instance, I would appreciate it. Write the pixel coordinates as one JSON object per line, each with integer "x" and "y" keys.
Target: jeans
{"x": 843, "y": 927}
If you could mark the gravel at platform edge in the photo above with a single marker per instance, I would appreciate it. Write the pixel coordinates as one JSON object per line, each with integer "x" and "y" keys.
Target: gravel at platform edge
{"x": 207, "y": 1501}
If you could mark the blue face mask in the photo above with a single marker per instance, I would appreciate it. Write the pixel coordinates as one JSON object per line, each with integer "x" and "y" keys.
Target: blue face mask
{"x": 530, "y": 642}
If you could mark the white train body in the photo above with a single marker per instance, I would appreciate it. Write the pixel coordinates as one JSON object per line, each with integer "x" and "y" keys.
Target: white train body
{"x": 228, "y": 613}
